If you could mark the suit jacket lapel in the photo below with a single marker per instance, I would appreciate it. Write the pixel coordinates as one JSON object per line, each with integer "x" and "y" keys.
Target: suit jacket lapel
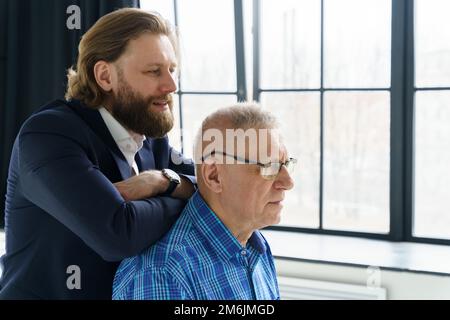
{"x": 95, "y": 122}
{"x": 144, "y": 158}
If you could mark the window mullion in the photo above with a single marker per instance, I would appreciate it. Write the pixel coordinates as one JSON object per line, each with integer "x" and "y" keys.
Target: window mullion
{"x": 240, "y": 51}
{"x": 399, "y": 135}
{"x": 321, "y": 117}
{"x": 409, "y": 120}
{"x": 256, "y": 49}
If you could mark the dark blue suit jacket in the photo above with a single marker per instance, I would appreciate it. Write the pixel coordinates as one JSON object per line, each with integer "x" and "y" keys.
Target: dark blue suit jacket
{"x": 63, "y": 210}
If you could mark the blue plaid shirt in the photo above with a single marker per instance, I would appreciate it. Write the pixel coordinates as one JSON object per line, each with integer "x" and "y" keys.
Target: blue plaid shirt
{"x": 199, "y": 259}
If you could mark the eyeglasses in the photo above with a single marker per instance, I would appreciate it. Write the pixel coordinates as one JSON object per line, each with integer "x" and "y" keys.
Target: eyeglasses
{"x": 268, "y": 171}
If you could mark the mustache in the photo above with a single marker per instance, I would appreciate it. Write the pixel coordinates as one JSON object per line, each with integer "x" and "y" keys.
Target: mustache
{"x": 166, "y": 97}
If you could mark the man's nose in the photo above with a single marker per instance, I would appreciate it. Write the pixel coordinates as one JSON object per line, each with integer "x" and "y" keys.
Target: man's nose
{"x": 168, "y": 83}
{"x": 284, "y": 179}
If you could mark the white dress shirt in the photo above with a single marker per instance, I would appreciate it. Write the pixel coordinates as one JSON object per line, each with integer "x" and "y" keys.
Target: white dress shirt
{"x": 128, "y": 141}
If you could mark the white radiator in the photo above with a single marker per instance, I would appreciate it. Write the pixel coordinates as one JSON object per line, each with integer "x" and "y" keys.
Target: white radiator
{"x": 303, "y": 289}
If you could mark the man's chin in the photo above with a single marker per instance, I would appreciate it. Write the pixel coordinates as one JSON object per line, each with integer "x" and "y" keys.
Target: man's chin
{"x": 157, "y": 134}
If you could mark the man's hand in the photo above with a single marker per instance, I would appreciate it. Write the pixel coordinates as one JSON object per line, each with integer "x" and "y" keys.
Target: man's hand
{"x": 145, "y": 185}
{"x": 151, "y": 183}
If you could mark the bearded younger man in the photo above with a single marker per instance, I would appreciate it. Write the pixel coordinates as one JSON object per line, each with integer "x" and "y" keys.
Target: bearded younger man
{"x": 91, "y": 179}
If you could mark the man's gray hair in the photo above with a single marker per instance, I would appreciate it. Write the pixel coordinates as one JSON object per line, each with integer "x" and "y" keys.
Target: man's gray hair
{"x": 242, "y": 115}
{"x": 240, "y": 118}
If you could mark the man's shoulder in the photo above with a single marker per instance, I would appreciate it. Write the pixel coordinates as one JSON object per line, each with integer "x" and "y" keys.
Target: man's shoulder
{"x": 164, "y": 264}
{"x": 58, "y": 116}
{"x": 173, "y": 246}
{"x": 175, "y": 256}
{"x": 175, "y": 250}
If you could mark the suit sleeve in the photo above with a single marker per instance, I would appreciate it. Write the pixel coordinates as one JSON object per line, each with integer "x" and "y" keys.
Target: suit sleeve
{"x": 182, "y": 165}
{"x": 57, "y": 175}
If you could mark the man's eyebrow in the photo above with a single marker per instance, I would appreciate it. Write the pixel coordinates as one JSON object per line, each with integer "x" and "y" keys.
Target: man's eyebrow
{"x": 153, "y": 64}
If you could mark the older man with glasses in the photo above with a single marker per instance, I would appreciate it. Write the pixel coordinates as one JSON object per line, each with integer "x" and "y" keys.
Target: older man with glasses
{"x": 215, "y": 251}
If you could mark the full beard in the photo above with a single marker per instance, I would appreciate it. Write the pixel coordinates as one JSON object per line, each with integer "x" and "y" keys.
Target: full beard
{"x": 135, "y": 112}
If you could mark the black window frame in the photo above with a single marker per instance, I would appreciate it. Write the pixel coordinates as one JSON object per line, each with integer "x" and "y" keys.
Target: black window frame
{"x": 402, "y": 91}
{"x": 241, "y": 85}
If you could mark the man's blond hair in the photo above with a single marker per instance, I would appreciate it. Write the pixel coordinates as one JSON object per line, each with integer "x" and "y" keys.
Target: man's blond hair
{"x": 107, "y": 40}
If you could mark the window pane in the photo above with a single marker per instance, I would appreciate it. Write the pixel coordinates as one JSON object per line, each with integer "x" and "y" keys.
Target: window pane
{"x": 299, "y": 115}
{"x": 356, "y": 161}
{"x": 432, "y": 159}
{"x": 195, "y": 109}
{"x": 357, "y": 43}
{"x": 175, "y": 134}
{"x": 248, "y": 39}
{"x": 432, "y": 45}
{"x": 290, "y": 44}
{"x": 163, "y": 7}
{"x": 207, "y": 45}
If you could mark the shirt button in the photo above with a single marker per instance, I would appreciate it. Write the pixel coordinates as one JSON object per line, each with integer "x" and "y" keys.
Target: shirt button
{"x": 244, "y": 252}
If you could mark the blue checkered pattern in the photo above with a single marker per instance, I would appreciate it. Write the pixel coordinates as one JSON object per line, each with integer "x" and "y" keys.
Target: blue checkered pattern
{"x": 199, "y": 259}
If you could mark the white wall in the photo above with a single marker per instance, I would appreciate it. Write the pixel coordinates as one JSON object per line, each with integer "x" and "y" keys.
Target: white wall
{"x": 399, "y": 285}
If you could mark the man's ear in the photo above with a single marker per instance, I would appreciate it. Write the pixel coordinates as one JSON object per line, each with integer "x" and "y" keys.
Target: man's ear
{"x": 211, "y": 177}
{"x": 103, "y": 75}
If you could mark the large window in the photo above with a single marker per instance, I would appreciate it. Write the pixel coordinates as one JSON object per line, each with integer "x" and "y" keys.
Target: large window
{"x": 362, "y": 89}
{"x": 432, "y": 119}
{"x": 209, "y": 77}
{"x": 326, "y": 67}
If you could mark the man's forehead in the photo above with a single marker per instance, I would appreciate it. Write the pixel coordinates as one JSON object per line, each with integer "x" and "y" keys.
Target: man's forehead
{"x": 151, "y": 49}
{"x": 262, "y": 145}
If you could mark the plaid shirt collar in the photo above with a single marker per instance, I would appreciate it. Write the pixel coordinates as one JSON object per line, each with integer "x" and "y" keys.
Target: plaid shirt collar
{"x": 222, "y": 240}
